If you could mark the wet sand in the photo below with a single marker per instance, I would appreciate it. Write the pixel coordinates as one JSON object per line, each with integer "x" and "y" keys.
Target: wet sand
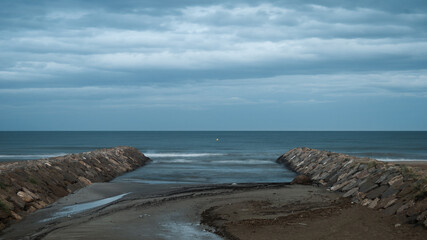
{"x": 244, "y": 211}
{"x": 328, "y": 219}
{"x": 148, "y": 210}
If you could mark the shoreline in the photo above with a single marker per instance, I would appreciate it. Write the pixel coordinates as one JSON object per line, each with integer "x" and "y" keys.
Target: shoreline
{"x": 141, "y": 195}
{"x": 234, "y": 211}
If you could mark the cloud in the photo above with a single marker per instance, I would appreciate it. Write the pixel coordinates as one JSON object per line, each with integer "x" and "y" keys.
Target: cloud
{"x": 274, "y": 91}
{"x": 217, "y": 37}
{"x": 202, "y": 55}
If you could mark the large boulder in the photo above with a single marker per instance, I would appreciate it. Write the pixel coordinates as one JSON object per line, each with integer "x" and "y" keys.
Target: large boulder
{"x": 302, "y": 179}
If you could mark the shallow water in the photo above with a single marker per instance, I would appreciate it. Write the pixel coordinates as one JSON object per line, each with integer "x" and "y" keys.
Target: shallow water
{"x": 78, "y": 208}
{"x": 184, "y": 231}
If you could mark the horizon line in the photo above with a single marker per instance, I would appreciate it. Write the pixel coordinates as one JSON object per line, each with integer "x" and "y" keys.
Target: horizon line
{"x": 213, "y": 130}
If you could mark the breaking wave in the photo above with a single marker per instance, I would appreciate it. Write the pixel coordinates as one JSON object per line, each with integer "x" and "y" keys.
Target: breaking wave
{"x": 182, "y": 154}
{"x": 401, "y": 160}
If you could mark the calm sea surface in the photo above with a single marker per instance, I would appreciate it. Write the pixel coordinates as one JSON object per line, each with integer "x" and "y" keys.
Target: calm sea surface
{"x": 197, "y": 157}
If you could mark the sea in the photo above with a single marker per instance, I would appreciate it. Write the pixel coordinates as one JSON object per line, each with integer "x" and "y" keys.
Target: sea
{"x": 206, "y": 157}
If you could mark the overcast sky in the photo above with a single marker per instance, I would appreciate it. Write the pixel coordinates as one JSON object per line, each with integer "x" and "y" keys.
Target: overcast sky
{"x": 213, "y": 65}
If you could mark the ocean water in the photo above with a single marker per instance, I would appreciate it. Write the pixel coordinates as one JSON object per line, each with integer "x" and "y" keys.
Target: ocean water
{"x": 197, "y": 157}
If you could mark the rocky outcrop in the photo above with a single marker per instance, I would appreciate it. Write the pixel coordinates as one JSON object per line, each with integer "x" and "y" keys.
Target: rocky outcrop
{"x": 394, "y": 189}
{"x": 26, "y": 186}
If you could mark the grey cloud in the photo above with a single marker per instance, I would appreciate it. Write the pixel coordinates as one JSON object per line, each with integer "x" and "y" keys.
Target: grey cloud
{"x": 71, "y": 44}
{"x": 274, "y": 91}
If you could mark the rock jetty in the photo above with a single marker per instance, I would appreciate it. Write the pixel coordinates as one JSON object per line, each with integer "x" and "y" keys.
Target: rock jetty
{"x": 26, "y": 186}
{"x": 391, "y": 188}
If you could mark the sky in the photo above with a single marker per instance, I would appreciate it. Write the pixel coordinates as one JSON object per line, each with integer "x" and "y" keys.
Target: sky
{"x": 213, "y": 65}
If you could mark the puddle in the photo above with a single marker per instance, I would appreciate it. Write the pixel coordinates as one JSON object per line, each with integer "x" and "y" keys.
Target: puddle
{"x": 77, "y": 208}
{"x": 185, "y": 230}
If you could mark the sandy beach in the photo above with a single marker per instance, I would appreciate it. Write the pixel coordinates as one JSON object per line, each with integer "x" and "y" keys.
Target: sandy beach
{"x": 417, "y": 164}
{"x": 244, "y": 211}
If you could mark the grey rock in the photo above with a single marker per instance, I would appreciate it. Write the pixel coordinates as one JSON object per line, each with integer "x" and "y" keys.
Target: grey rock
{"x": 390, "y": 203}
{"x": 391, "y": 210}
{"x": 366, "y": 202}
{"x": 323, "y": 175}
{"x": 391, "y": 191}
{"x": 338, "y": 186}
{"x": 333, "y": 178}
{"x": 405, "y": 206}
{"x": 411, "y": 219}
{"x": 389, "y": 177}
{"x": 396, "y": 180}
{"x": 351, "y": 192}
{"x": 363, "y": 167}
{"x": 422, "y": 216}
{"x": 374, "y": 203}
{"x": 376, "y": 192}
{"x": 406, "y": 189}
{"x": 383, "y": 177}
{"x": 302, "y": 179}
{"x": 353, "y": 183}
{"x": 367, "y": 186}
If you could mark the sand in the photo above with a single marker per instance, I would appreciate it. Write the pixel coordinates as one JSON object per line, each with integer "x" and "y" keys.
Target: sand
{"x": 140, "y": 197}
{"x": 327, "y": 219}
{"x": 244, "y": 211}
{"x": 418, "y": 164}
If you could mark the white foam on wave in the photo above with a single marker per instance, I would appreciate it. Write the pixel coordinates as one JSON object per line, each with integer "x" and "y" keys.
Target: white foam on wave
{"x": 225, "y": 162}
{"x": 24, "y": 156}
{"x": 182, "y": 154}
{"x": 179, "y": 160}
{"x": 401, "y": 160}
{"x": 243, "y": 161}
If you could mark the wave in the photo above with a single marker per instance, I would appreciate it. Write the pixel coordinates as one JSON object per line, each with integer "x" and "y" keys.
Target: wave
{"x": 243, "y": 161}
{"x": 182, "y": 154}
{"x": 401, "y": 160}
{"x": 31, "y": 156}
{"x": 179, "y": 160}
{"x": 216, "y": 162}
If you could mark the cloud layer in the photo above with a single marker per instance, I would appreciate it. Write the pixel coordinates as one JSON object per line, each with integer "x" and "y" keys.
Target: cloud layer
{"x": 196, "y": 56}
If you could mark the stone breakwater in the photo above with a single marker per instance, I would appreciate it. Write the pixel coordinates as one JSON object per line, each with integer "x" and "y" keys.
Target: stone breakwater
{"x": 26, "y": 186}
{"x": 391, "y": 188}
